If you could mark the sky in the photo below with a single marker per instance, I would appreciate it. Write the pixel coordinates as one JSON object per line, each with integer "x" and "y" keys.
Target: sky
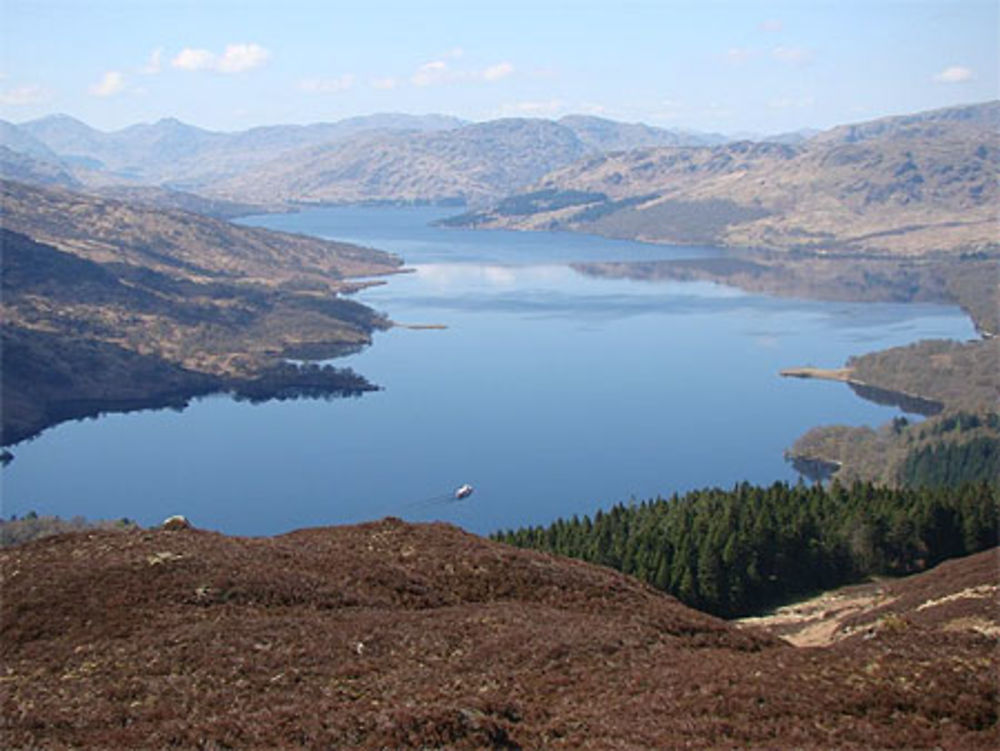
{"x": 731, "y": 67}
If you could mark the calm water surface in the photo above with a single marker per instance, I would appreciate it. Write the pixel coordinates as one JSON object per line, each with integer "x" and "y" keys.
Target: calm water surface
{"x": 551, "y": 392}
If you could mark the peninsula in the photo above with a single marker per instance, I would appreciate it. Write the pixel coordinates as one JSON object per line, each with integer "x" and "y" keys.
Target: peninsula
{"x": 112, "y": 306}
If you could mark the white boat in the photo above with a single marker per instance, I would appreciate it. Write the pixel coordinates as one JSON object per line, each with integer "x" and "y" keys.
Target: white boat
{"x": 463, "y": 492}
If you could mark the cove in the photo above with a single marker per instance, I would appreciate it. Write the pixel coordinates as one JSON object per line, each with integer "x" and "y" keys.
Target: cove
{"x": 551, "y": 392}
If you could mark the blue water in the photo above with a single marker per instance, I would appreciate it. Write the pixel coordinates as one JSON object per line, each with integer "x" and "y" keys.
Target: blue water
{"x": 551, "y": 392}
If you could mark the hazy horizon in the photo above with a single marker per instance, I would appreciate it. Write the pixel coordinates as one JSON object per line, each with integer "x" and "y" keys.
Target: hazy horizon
{"x": 728, "y": 67}
{"x": 465, "y": 121}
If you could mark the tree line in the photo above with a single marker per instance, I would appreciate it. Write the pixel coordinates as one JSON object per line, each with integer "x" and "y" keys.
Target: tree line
{"x": 737, "y": 552}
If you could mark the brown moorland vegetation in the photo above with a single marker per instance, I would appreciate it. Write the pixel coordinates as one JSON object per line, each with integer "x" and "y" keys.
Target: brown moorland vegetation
{"x": 390, "y": 635}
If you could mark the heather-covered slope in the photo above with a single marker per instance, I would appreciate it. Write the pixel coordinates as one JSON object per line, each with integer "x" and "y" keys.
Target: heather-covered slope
{"x": 389, "y": 635}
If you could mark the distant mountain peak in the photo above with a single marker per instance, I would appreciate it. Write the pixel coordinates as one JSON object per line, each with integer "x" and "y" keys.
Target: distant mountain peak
{"x": 984, "y": 115}
{"x": 58, "y": 117}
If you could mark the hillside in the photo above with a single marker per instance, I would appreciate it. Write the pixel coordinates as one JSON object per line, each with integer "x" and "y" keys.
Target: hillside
{"x": 474, "y": 163}
{"x": 48, "y": 172}
{"x": 930, "y": 123}
{"x": 180, "y": 243}
{"x": 958, "y": 594}
{"x": 601, "y": 134}
{"x": 108, "y": 306}
{"x": 181, "y": 200}
{"x": 175, "y": 153}
{"x": 389, "y": 635}
{"x": 386, "y": 157}
{"x": 21, "y": 141}
{"x": 737, "y": 552}
{"x": 954, "y": 382}
{"x": 34, "y": 170}
{"x": 169, "y": 153}
{"x": 909, "y": 186}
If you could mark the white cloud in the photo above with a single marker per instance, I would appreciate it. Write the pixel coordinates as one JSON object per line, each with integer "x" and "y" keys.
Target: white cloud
{"x": 237, "y": 58}
{"x": 23, "y": 95}
{"x": 155, "y": 63}
{"x": 327, "y": 85}
{"x": 738, "y": 55}
{"x": 498, "y": 71}
{"x": 111, "y": 83}
{"x": 772, "y": 25}
{"x": 953, "y": 74}
{"x": 438, "y": 72}
{"x": 240, "y": 57}
{"x": 792, "y": 55}
{"x": 192, "y": 59}
{"x": 431, "y": 73}
{"x": 454, "y": 53}
{"x": 385, "y": 84}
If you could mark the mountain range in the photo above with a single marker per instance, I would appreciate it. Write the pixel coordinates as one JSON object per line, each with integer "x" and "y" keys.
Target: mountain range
{"x": 386, "y": 157}
{"x": 169, "y": 152}
{"x": 913, "y": 185}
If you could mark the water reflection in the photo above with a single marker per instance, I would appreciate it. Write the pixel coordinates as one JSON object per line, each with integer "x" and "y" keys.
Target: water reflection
{"x": 551, "y": 391}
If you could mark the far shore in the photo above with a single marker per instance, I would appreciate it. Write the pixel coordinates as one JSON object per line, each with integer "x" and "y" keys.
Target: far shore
{"x": 826, "y": 374}
{"x": 907, "y": 401}
{"x": 419, "y": 326}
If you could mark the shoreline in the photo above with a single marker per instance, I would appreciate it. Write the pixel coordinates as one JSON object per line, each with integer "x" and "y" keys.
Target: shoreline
{"x": 843, "y": 375}
{"x": 419, "y": 326}
{"x": 908, "y": 402}
{"x": 275, "y": 383}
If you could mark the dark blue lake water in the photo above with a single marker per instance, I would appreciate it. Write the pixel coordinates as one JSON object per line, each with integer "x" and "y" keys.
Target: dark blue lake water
{"x": 551, "y": 392}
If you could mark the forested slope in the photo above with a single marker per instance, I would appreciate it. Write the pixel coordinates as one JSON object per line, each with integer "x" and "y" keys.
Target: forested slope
{"x": 736, "y": 552}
